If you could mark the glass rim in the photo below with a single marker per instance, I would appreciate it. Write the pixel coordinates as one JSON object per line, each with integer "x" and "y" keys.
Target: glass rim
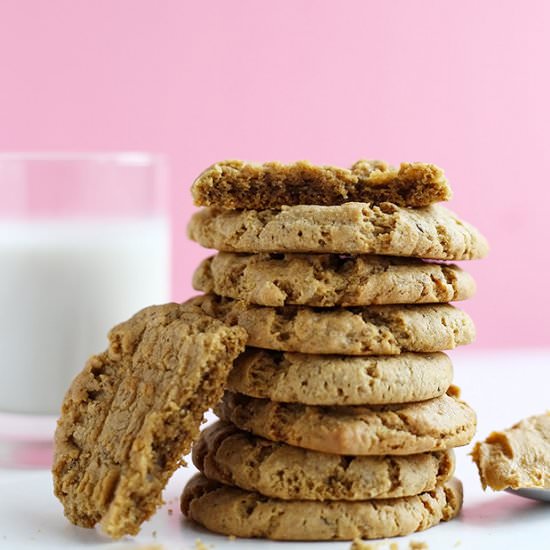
{"x": 126, "y": 158}
{"x": 63, "y": 184}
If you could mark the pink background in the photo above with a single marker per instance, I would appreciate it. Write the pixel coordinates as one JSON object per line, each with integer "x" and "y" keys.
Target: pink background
{"x": 464, "y": 85}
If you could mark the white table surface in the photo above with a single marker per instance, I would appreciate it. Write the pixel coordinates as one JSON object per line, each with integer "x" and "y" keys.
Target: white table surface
{"x": 501, "y": 386}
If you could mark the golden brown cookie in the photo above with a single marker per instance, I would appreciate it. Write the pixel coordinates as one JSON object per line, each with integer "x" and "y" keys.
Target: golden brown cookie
{"x": 516, "y": 458}
{"x": 239, "y": 184}
{"x": 326, "y": 280}
{"x": 228, "y": 455}
{"x": 232, "y": 511}
{"x": 134, "y": 410}
{"x": 432, "y": 232}
{"x": 340, "y": 379}
{"x": 434, "y": 425}
{"x": 368, "y": 330}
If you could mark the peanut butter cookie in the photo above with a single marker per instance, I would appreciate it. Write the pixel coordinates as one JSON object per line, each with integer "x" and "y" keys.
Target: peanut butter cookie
{"x": 232, "y": 511}
{"x": 368, "y": 330}
{"x": 226, "y": 454}
{"x": 434, "y": 425}
{"x": 134, "y": 410}
{"x": 432, "y": 232}
{"x": 340, "y": 379}
{"x": 239, "y": 184}
{"x": 516, "y": 458}
{"x": 327, "y": 280}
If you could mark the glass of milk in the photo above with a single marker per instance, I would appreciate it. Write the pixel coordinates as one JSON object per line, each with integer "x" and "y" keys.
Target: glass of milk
{"x": 84, "y": 244}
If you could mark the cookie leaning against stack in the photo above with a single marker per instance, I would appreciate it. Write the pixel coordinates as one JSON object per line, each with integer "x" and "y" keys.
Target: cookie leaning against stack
{"x": 339, "y": 420}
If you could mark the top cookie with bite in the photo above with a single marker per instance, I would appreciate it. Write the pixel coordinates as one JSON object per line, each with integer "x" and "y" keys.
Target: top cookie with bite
{"x": 236, "y": 184}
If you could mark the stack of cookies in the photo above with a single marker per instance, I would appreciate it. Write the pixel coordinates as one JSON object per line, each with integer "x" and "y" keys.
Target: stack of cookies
{"x": 340, "y": 418}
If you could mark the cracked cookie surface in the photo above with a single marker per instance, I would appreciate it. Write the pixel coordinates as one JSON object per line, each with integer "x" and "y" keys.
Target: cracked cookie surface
{"x": 239, "y": 184}
{"x": 232, "y": 511}
{"x": 368, "y": 330}
{"x": 432, "y": 232}
{"x": 226, "y": 454}
{"x": 339, "y": 379}
{"x": 516, "y": 458}
{"x": 132, "y": 413}
{"x": 434, "y": 425}
{"x": 326, "y": 280}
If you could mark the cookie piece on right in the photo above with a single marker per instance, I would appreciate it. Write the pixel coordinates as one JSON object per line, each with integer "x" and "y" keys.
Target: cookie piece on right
{"x": 516, "y": 458}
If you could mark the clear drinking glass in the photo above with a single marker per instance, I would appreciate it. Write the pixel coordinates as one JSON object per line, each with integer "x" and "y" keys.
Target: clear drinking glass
{"x": 84, "y": 244}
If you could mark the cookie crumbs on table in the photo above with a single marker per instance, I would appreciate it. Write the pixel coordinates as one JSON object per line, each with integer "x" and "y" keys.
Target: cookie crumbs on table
{"x": 358, "y": 544}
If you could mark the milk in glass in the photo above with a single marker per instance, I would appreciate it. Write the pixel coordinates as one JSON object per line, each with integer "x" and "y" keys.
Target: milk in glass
{"x": 63, "y": 285}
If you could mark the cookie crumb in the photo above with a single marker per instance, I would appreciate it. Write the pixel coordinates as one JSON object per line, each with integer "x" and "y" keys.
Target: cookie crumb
{"x": 394, "y": 546}
{"x": 170, "y": 512}
{"x": 232, "y": 537}
{"x": 418, "y": 545}
{"x": 199, "y": 545}
{"x": 358, "y": 544}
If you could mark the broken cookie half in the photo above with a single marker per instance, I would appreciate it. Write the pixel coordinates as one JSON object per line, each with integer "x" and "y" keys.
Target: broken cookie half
{"x": 134, "y": 411}
{"x": 516, "y": 458}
